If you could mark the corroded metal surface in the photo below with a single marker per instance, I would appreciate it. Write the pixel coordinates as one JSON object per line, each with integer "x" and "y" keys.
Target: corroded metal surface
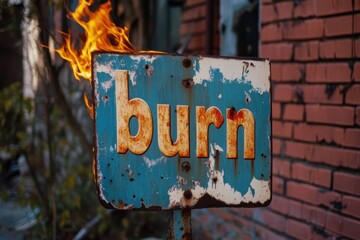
{"x": 175, "y": 132}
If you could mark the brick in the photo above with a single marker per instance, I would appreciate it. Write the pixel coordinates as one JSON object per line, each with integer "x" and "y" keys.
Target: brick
{"x": 295, "y": 209}
{"x": 283, "y": 93}
{"x": 281, "y": 167}
{"x": 268, "y": 14}
{"x": 277, "y": 51}
{"x": 326, "y": 7}
{"x": 330, "y": 114}
{"x": 327, "y": 49}
{"x": 275, "y": 110}
{"x": 276, "y": 72}
{"x": 356, "y": 72}
{"x": 279, "y": 204}
{"x": 273, "y": 220}
{"x": 357, "y": 47}
{"x": 334, "y": 156}
{"x": 327, "y": 198}
{"x": 328, "y": 72}
{"x": 357, "y": 5}
{"x": 284, "y": 10}
{"x": 197, "y": 41}
{"x": 306, "y": 51}
{"x": 282, "y": 129}
{"x": 194, "y": 3}
{"x": 193, "y": 27}
{"x": 313, "y": 215}
{"x": 223, "y": 214}
{"x": 351, "y": 206}
{"x": 338, "y": 72}
{"x": 338, "y": 26}
{"x": 301, "y": 191}
{"x": 293, "y": 112}
{"x": 271, "y": 32}
{"x": 194, "y": 13}
{"x": 356, "y": 23}
{"x": 298, "y": 229}
{"x": 304, "y": 132}
{"x": 276, "y": 146}
{"x": 297, "y": 149}
{"x": 321, "y": 177}
{"x": 320, "y": 93}
{"x": 344, "y": 226}
{"x": 300, "y": 171}
{"x": 353, "y": 95}
{"x": 314, "y": 175}
{"x": 357, "y": 116}
{"x": 316, "y": 72}
{"x": 305, "y": 8}
{"x": 346, "y": 182}
{"x": 343, "y": 48}
{"x": 265, "y": 233}
{"x": 289, "y": 72}
{"x": 292, "y": 72}
{"x": 304, "y": 29}
{"x": 336, "y": 49}
{"x": 277, "y": 185}
{"x": 329, "y": 134}
{"x": 352, "y": 137}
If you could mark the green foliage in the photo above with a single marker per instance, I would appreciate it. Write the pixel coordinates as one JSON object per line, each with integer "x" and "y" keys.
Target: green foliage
{"x": 12, "y": 124}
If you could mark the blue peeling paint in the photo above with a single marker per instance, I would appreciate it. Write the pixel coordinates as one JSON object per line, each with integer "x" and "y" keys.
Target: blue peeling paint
{"x": 126, "y": 179}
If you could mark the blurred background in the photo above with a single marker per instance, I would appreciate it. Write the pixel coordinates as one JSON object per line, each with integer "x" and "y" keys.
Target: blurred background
{"x": 47, "y": 189}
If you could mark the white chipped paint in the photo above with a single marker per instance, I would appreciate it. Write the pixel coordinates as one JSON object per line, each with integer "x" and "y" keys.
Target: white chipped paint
{"x": 220, "y": 190}
{"x": 218, "y": 148}
{"x": 111, "y": 149}
{"x": 107, "y": 85}
{"x": 232, "y": 70}
{"x": 146, "y": 58}
{"x": 108, "y": 69}
{"x": 247, "y": 97}
{"x": 105, "y": 68}
{"x": 101, "y": 188}
{"x": 132, "y": 76}
{"x": 150, "y": 163}
{"x": 220, "y": 96}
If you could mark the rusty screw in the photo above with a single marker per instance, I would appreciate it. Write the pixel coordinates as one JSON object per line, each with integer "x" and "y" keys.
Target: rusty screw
{"x": 186, "y": 62}
{"x": 186, "y": 166}
{"x": 188, "y": 82}
{"x": 188, "y": 194}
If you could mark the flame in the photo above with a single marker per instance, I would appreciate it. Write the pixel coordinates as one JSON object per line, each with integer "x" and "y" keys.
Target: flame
{"x": 101, "y": 34}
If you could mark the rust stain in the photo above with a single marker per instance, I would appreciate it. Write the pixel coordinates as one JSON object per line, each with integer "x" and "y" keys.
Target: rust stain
{"x": 185, "y": 166}
{"x": 149, "y": 70}
{"x": 188, "y": 82}
{"x": 120, "y": 204}
{"x": 203, "y": 120}
{"x": 217, "y": 159}
{"x": 244, "y": 118}
{"x": 182, "y": 145}
{"x": 125, "y": 110}
{"x": 186, "y": 62}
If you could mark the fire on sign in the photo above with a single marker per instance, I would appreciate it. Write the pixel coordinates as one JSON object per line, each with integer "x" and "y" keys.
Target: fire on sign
{"x": 181, "y": 131}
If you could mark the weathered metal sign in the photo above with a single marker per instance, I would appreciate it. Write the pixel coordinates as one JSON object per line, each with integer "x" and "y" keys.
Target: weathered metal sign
{"x": 181, "y": 131}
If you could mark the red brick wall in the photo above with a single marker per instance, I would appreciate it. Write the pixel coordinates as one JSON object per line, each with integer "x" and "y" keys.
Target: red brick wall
{"x": 193, "y": 22}
{"x": 314, "y": 48}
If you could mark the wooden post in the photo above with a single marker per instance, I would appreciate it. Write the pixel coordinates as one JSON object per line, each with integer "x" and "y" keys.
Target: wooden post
{"x": 180, "y": 224}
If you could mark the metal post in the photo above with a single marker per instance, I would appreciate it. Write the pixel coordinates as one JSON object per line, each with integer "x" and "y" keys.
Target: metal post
{"x": 180, "y": 224}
